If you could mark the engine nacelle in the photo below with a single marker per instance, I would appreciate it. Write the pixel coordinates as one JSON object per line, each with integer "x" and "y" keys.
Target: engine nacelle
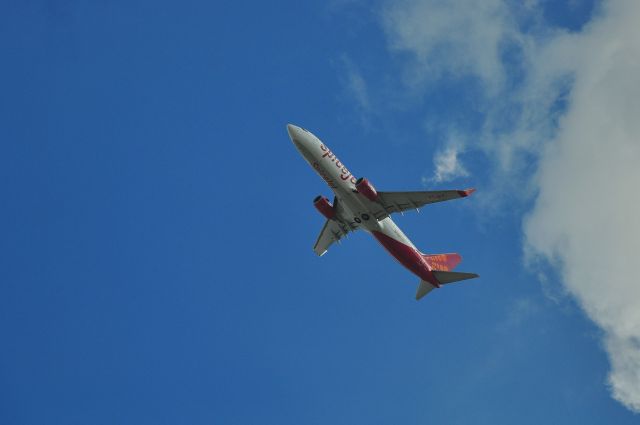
{"x": 367, "y": 190}
{"x": 323, "y": 205}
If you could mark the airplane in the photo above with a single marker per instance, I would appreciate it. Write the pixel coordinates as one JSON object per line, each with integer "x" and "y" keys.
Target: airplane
{"x": 357, "y": 205}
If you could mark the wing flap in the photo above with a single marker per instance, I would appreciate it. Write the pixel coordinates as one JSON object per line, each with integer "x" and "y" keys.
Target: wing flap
{"x": 331, "y": 232}
{"x": 334, "y": 230}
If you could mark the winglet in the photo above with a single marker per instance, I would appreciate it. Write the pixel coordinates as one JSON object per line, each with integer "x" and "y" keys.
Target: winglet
{"x": 466, "y": 192}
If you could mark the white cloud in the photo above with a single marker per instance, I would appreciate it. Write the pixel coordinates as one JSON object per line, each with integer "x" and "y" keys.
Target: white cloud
{"x": 449, "y": 38}
{"x": 586, "y": 215}
{"x": 447, "y": 165}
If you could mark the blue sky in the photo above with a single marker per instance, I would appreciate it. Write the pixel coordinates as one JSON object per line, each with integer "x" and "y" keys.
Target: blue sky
{"x": 157, "y": 224}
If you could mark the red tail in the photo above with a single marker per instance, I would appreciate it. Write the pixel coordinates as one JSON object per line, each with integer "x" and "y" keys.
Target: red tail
{"x": 442, "y": 262}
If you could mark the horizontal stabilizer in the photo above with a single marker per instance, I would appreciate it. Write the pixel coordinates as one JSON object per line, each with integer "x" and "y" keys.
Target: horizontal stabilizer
{"x": 443, "y": 277}
{"x": 423, "y": 289}
{"x": 449, "y": 277}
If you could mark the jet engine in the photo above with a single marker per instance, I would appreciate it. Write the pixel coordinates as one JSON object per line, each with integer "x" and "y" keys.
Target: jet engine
{"x": 367, "y": 190}
{"x": 323, "y": 205}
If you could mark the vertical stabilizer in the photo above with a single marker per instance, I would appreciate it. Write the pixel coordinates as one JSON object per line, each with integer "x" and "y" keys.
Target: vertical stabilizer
{"x": 443, "y": 262}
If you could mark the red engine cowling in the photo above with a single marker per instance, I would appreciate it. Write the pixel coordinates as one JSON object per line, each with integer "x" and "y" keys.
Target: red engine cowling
{"x": 323, "y": 205}
{"x": 364, "y": 187}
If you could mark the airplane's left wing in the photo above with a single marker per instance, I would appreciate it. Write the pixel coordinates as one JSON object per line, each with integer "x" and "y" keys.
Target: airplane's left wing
{"x": 393, "y": 202}
{"x": 332, "y": 232}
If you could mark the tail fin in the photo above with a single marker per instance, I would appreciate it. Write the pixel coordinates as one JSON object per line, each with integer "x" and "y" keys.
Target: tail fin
{"x": 444, "y": 262}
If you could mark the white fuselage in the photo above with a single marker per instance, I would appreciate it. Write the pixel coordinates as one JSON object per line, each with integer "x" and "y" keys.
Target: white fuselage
{"x": 342, "y": 183}
{"x": 358, "y": 205}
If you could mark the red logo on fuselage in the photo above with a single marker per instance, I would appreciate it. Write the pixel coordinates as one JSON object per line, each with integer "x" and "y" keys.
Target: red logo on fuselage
{"x": 324, "y": 175}
{"x": 344, "y": 173}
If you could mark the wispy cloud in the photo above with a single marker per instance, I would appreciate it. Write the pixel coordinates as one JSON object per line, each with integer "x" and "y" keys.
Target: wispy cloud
{"x": 567, "y": 102}
{"x": 448, "y": 165}
{"x": 356, "y": 87}
{"x": 518, "y": 311}
{"x": 449, "y": 38}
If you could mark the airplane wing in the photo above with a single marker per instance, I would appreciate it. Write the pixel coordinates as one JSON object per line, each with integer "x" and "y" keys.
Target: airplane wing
{"x": 334, "y": 230}
{"x": 393, "y": 202}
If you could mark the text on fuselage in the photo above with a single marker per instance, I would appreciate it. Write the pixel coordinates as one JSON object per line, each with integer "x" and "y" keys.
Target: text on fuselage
{"x": 344, "y": 173}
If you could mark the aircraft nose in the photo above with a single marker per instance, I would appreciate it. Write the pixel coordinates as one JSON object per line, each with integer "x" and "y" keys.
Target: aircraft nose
{"x": 292, "y": 130}
{"x": 300, "y": 138}
{"x": 297, "y": 135}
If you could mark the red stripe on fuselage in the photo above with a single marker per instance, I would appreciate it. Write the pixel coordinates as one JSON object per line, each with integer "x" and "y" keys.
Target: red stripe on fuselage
{"x": 408, "y": 257}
